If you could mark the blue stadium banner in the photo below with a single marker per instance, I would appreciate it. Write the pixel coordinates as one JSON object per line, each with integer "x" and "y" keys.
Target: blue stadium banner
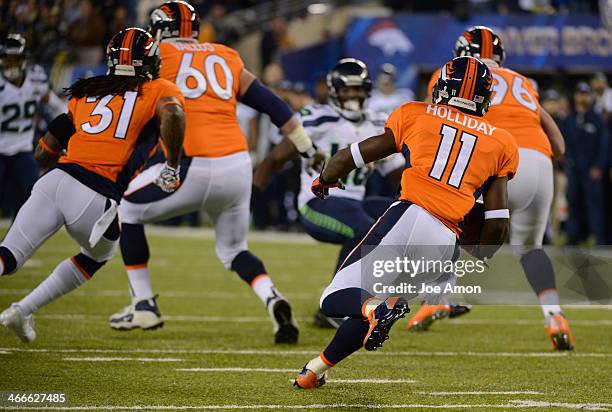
{"x": 532, "y": 42}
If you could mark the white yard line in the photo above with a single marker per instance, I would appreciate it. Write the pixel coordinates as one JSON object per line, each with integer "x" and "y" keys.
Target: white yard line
{"x": 265, "y": 370}
{"x": 513, "y": 404}
{"x": 250, "y": 319}
{"x": 260, "y": 352}
{"x": 481, "y": 393}
{"x": 121, "y": 359}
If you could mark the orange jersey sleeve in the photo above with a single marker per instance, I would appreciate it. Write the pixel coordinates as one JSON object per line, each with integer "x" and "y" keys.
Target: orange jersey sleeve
{"x": 208, "y": 74}
{"x": 515, "y": 107}
{"x": 451, "y": 156}
{"x": 110, "y": 130}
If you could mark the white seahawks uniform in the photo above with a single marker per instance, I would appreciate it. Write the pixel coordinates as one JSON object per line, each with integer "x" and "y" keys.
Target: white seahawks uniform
{"x": 332, "y": 132}
{"x": 18, "y": 106}
{"x": 388, "y": 102}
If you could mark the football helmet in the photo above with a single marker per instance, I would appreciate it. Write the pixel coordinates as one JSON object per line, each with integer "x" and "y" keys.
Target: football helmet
{"x": 133, "y": 52}
{"x": 349, "y": 73}
{"x": 465, "y": 83}
{"x": 13, "y": 56}
{"x": 174, "y": 19}
{"x": 483, "y": 43}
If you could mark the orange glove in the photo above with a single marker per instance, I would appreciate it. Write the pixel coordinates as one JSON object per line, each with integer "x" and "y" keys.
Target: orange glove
{"x": 320, "y": 188}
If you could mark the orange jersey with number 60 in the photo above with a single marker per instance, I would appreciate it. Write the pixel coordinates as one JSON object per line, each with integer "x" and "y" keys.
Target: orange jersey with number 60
{"x": 109, "y": 129}
{"x": 514, "y": 107}
{"x": 451, "y": 155}
{"x": 208, "y": 74}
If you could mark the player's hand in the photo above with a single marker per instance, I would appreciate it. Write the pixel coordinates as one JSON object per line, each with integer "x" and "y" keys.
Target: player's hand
{"x": 315, "y": 162}
{"x": 169, "y": 179}
{"x": 320, "y": 188}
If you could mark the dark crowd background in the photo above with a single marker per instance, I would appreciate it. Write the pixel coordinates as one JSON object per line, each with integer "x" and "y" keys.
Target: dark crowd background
{"x": 580, "y": 103}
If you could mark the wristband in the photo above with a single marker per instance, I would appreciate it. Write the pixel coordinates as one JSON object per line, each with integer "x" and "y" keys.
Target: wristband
{"x": 356, "y": 153}
{"x": 300, "y": 139}
{"x": 497, "y": 214}
{"x": 47, "y": 148}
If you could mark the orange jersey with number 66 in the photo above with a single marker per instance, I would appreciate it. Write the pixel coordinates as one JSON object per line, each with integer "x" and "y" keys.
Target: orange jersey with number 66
{"x": 451, "y": 156}
{"x": 514, "y": 107}
{"x": 208, "y": 75}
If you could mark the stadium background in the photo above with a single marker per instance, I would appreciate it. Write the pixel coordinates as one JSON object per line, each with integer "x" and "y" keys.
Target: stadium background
{"x": 292, "y": 44}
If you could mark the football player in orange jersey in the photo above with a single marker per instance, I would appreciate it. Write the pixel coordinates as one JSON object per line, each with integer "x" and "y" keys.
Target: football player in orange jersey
{"x": 452, "y": 152}
{"x": 110, "y": 130}
{"x": 216, "y": 167}
{"x": 515, "y": 107}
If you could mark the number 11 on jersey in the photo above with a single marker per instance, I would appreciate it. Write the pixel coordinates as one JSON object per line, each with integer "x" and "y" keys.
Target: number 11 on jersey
{"x": 468, "y": 142}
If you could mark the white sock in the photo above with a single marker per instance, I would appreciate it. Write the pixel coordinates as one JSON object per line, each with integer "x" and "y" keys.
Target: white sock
{"x": 318, "y": 365}
{"x": 264, "y": 288}
{"x": 64, "y": 278}
{"x": 140, "y": 285}
{"x": 549, "y": 301}
{"x": 369, "y": 305}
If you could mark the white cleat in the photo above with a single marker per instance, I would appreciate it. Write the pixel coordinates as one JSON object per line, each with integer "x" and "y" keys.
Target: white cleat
{"x": 21, "y": 325}
{"x": 143, "y": 314}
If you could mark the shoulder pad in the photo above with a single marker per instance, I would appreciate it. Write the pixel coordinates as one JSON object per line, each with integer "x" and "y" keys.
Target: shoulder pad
{"x": 316, "y": 115}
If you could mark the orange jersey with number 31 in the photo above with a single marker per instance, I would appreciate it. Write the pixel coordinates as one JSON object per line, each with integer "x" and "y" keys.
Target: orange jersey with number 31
{"x": 109, "y": 128}
{"x": 208, "y": 74}
{"x": 514, "y": 107}
{"x": 451, "y": 155}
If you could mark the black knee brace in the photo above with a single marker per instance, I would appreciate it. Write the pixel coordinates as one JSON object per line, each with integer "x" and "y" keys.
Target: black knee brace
{"x": 87, "y": 265}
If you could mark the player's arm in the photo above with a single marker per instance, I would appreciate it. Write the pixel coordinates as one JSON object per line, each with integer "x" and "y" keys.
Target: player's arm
{"x": 171, "y": 116}
{"x": 555, "y": 137}
{"x": 54, "y": 104}
{"x": 494, "y": 232}
{"x": 257, "y": 96}
{"x": 354, "y": 156}
{"x": 52, "y": 145}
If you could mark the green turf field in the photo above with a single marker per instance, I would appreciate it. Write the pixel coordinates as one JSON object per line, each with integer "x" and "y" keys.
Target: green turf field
{"x": 493, "y": 359}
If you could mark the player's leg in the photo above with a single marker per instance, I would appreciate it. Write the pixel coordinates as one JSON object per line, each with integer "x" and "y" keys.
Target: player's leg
{"x": 56, "y": 199}
{"x": 227, "y": 204}
{"x": 530, "y": 196}
{"x": 336, "y": 220}
{"x": 145, "y": 202}
{"x": 24, "y": 173}
{"x": 396, "y": 234}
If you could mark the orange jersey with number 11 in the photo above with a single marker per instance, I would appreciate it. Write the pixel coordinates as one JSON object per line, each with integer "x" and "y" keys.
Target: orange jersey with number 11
{"x": 208, "y": 74}
{"x": 451, "y": 155}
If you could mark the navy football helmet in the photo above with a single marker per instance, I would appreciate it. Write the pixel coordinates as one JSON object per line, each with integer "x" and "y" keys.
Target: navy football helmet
{"x": 465, "y": 83}
{"x": 346, "y": 74}
{"x": 133, "y": 52}
{"x": 174, "y": 19}
{"x": 481, "y": 42}
{"x": 13, "y": 56}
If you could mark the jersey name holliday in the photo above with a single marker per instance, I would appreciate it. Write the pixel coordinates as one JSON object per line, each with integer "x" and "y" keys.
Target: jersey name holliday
{"x": 456, "y": 117}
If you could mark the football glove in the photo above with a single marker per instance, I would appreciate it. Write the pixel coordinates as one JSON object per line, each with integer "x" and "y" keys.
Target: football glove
{"x": 320, "y": 188}
{"x": 315, "y": 159}
{"x": 169, "y": 179}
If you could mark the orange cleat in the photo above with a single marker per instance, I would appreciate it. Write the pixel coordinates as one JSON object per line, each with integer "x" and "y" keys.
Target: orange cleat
{"x": 426, "y": 316}
{"x": 558, "y": 330}
{"x": 307, "y": 379}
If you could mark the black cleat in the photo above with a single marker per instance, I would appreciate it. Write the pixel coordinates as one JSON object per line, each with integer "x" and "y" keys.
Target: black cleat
{"x": 285, "y": 328}
{"x": 382, "y": 319}
{"x": 459, "y": 310}
{"x": 323, "y": 321}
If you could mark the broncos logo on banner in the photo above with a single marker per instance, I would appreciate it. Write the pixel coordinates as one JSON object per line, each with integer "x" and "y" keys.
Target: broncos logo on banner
{"x": 389, "y": 38}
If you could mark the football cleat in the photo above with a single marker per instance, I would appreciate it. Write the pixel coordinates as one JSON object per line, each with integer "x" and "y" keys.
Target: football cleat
{"x": 14, "y": 320}
{"x": 382, "y": 319}
{"x": 321, "y": 320}
{"x": 426, "y": 316}
{"x": 307, "y": 379}
{"x": 285, "y": 327}
{"x": 143, "y": 314}
{"x": 459, "y": 310}
{"x": 558, "y": 330}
